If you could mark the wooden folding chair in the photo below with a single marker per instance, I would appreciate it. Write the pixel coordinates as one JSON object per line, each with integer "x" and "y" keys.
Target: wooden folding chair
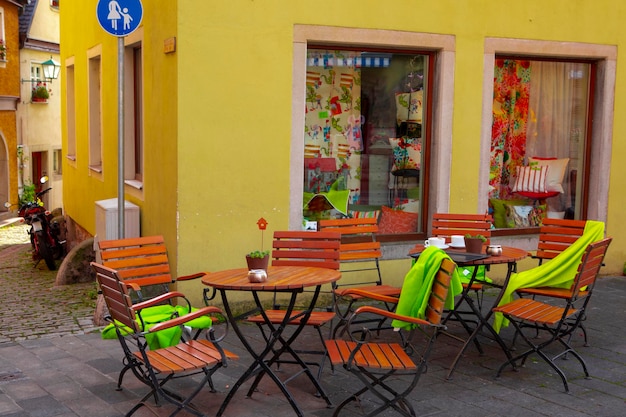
{"x": 303, "y": 248}
{"x": 143, "y": 264}
{"x": 555, "y": 235}
{"x": 558, "y": 320}
{"x": 448, "y": 224}
{"x": 376, "y": 363}
{"x": 359, "y": 253}
{"x": 157, "y": 367}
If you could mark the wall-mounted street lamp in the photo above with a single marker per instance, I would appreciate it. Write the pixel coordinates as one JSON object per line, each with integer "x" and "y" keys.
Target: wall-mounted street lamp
{"x": 51, "y": 70}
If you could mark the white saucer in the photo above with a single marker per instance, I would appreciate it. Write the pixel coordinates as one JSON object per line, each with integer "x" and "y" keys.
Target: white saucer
{"x": 457, "y": 247}
{"x": 441, "y": 247}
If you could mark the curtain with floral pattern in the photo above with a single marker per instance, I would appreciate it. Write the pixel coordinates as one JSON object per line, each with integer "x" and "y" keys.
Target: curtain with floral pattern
{"x": 508, "y": 133}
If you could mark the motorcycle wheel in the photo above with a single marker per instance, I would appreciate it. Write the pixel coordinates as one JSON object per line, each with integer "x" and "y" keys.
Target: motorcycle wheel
{"x": 44, "y": 251}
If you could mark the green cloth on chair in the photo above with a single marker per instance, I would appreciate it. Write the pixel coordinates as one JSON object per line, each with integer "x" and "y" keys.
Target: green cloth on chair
{"x": 558, "y": 272}
{"x": 334, "y": 198}
{"x": 418, "y": 283}
{"x": 158, "y": 314}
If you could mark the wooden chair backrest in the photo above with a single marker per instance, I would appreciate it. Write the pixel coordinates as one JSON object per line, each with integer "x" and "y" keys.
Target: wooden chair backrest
{"x": 358, "y": 238}
{"x": 448, "y": 224}
{"x": 116, "y": 296}
{"x": 556, "y": 235}
{"x": 589, "y": 267}
{"x": 300, "y": 248}
{"x": 439, "y": 292}
{"x": 140, "y": 260}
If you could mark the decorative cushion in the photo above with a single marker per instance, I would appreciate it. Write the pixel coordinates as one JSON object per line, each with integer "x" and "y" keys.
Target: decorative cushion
{"x": 531, "y": 178}
{"x": 556, "y": 171}
{"x": 364, "y": 214}
{"x": 407, "y": 153}
{"x": 499, "y": 212}
{"x": 397, "y": 221}
{"x": 409, "y": 106}
{"x": 525, "y": 216}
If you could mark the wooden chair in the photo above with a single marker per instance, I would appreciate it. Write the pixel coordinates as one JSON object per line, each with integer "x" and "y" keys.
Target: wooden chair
{"x": 558, "y": 320}
{"x": 359, "y": 253}
{"x": 376, "y": 362}
{"x": 156, "y": 368}
{"x": 143, "y": 264}
{"x": 303, "y": 248}
{"x": 142, "y": 261}
{"x": 447, "y": 224}
{"x": 555, "y": 235}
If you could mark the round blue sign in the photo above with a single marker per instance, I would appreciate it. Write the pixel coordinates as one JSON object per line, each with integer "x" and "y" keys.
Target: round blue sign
{"x": 119, "y": 17}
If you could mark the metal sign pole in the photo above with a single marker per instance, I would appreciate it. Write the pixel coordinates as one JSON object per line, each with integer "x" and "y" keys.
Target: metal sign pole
{"x": 120, "y": 137}
{"x": 120, "y": 18}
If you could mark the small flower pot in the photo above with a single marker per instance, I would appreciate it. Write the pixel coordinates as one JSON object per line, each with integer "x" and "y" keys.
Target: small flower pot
{"x": 257, "y": 263}
{"x": 473, "y": 245}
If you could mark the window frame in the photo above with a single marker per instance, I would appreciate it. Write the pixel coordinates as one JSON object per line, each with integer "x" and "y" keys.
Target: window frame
{"x": 599, "y": 140}
{"x": 442, "y": 74}
{"x": 94, "y": 106}
{"x": 133, "y": 111}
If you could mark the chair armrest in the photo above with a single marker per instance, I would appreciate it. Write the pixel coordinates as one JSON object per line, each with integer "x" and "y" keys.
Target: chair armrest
{"x": 192, "y": 276}
{"x": 177, "y": 321}
{"x": 391, "y": 315}
{"x": 368, "y": 294}
{"x": 158, "y": 300}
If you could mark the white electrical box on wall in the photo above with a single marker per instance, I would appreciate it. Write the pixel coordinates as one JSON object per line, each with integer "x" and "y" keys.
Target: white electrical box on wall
{"x": 107, "y": 218}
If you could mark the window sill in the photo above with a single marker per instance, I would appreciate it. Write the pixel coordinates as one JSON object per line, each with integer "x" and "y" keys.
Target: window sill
{"x": 71, "y": 157}
{"x": 134, "y": 183}
{"x": 96, "y": 168}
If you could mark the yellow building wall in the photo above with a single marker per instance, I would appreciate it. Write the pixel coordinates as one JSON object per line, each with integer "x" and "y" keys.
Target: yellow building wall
{"x": 9, "y": 88}
{"x": 218, "y": 121}
{"x": 82, "y": 187}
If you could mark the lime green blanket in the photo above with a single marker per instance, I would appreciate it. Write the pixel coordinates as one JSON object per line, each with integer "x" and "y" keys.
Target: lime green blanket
{"x": 418, "y": 283}
{"x": 158, "y": 314}
{"x": 558, "y": 272}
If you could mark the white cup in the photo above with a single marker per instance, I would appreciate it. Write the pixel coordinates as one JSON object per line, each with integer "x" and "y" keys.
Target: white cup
{"x": 435, "y": 241}
{"x": 457, "y": 241}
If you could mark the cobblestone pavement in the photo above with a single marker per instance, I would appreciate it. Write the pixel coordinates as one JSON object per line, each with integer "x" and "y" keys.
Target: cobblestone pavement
{"x": 33, "y": 307}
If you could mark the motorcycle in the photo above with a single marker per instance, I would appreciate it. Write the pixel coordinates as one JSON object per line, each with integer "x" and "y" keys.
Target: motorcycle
{"x": 44, "y": 232}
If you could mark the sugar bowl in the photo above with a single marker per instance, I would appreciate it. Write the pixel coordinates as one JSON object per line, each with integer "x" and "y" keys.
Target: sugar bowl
{"x": 494, "y": 250}
{"x": 257, "y": 275}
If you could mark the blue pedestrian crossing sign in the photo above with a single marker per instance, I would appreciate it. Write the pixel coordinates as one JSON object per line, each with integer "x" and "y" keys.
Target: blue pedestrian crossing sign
{"x": 119, "y": 17}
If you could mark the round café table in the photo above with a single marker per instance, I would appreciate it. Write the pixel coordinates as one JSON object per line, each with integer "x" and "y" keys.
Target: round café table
{"x": 510, "y": 256}
{"x": 291, "y": 280}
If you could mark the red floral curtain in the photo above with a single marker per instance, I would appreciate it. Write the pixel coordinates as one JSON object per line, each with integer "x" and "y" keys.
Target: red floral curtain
{"x": 511, "y": 94}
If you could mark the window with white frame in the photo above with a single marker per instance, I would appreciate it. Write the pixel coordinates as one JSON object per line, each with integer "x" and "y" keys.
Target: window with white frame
{"x": 539, "y": 140}
{"x": 538, "y": 163}
{"x": 95, "y": 114}
{"x": 57, "y": 165}
{"x": 133, "y": 116}
{"x": 70, "y": 104}
{"x": 417, "y": 56}
{"x": 3, "y": 42}
{"x": 366, "y": 136}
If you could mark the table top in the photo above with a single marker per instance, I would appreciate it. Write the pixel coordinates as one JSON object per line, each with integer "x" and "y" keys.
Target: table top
{"x": 509, "y": 254}
{"x": 278, "y": 278}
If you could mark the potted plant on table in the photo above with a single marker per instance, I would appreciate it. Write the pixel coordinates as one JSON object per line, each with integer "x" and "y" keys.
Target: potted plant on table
{"x": 40, "y": 92}
{"x": 259, "y": 259}
{"x": 474, "y": 243}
